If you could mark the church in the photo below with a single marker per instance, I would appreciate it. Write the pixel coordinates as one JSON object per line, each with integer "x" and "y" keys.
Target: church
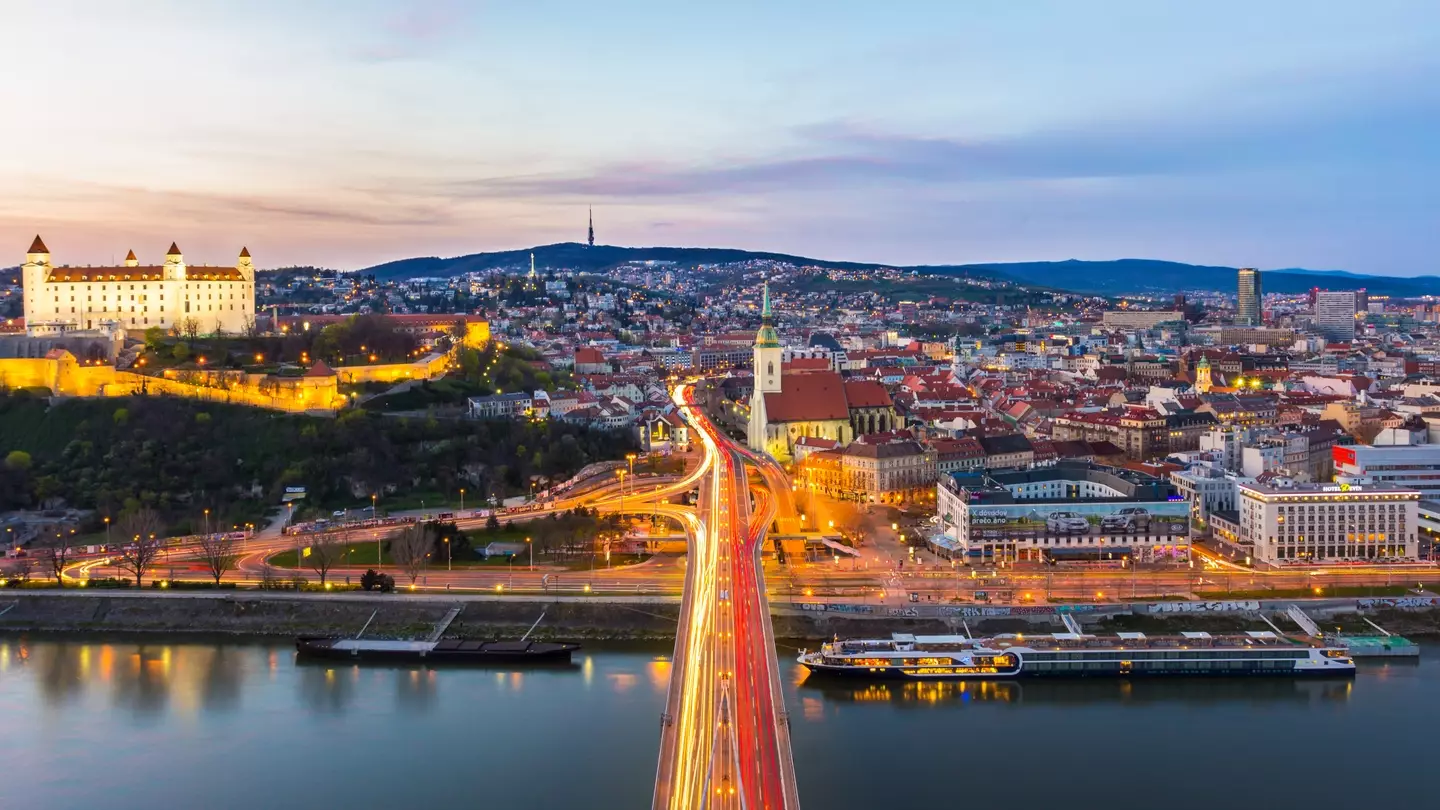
{"x": 135, "y": 297}
{"x": 785, "y": 408}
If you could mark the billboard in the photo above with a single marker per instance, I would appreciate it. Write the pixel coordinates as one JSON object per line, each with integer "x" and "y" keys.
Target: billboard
{"x": 1093, "y": 520}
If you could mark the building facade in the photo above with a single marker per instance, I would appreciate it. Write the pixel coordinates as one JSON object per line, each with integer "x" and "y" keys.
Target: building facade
{"x": 1414, "y": 467}
{"x": 1335, "y": 315}
{"x": 1069, "y": 511}
{"x": 172, "y": 296}
{"x": 1328, "y": 523}
{"x": 1248, "y": 295}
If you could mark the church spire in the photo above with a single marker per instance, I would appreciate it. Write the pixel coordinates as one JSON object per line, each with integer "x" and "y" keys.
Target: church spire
{"x": 767, "y": 336}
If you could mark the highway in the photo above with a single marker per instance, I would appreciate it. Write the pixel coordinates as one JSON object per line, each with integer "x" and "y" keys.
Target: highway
{"x": 725, "y": 733}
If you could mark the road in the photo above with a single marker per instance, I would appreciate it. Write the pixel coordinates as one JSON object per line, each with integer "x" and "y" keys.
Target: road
{"x": 725, "y": 734}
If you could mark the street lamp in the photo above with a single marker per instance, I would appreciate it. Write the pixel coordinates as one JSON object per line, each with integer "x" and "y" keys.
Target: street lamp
{"x": 448, "y": 567}
{"x": 207, "y": 521}
{"x": 462, "y": 502}
{"x": 531, "y": 546}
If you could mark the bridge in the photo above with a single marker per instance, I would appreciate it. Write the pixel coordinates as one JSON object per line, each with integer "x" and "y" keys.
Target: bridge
{"x": 725, "y": 734}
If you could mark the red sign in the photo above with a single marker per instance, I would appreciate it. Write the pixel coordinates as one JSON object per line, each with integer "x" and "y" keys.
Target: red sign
{"x": 1343, "y": 455}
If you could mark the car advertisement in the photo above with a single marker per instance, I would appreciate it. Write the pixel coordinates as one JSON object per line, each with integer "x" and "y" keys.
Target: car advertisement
{"x": 1163, "y": 518}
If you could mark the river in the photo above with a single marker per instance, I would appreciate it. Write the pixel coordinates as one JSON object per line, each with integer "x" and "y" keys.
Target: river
{"x": 123, "y": 725}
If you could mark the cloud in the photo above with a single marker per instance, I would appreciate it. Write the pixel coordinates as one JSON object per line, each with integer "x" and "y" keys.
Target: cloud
{"x": 1382, "y": 126}
{"x": 416, "y": 31}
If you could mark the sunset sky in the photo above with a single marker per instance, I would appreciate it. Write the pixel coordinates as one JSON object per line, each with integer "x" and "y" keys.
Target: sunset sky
{"x": 344, "y": 134}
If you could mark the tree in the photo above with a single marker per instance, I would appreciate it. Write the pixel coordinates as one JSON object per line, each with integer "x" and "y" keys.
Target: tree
{"x": 56, "y": 556}
{"x": 220, "y": 551}
{"x": 17, "y": 460}
{"x": 154, "y": 338}
{"x": 141, "y": 528}
{"x": 190, "y": 328}
{"x": 181, "y": 352}
{"x": 325, "y": 553}
{"x": 409, "y": 549}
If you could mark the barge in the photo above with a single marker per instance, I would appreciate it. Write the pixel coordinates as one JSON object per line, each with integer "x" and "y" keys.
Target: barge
{"x": 1024, "y": 655}
{"x": 448, "y": 651}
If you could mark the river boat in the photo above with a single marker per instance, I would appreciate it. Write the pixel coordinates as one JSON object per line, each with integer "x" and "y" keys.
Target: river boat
{"x": 1077, "y": 655}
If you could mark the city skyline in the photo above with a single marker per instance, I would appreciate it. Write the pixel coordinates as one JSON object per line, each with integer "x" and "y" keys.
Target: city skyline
{"x": 1295, "y": 138}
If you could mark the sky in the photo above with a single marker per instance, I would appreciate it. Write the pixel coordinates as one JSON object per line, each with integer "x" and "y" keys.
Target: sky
{"x": 349, "y": 133}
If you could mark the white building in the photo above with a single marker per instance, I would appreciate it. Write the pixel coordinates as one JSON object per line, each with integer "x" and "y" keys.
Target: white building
{"x": 1207, "y": 489}
{"x": 172, "y": 295}
{"x": 1411, "y": 467}
{"x": 1327, "y": 523}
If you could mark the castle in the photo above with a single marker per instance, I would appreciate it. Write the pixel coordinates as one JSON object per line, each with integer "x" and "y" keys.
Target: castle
{"x": 172, "y": 295}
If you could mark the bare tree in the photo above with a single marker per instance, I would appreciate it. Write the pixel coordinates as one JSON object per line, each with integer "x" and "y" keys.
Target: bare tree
{"x": 221, "y": 553}
{"x": 56, "y": 556}
{"x": 409, "y": 549}
{"x": 21, "y": 567}
{"x": 140, "y": 530}
{"x": 325, "y": 553}
{"x": 190, "y": 327}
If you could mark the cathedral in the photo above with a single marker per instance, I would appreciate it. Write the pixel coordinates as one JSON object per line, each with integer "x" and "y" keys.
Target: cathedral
{"x": 785, "y": 408}
{"x": 172, "y": 295}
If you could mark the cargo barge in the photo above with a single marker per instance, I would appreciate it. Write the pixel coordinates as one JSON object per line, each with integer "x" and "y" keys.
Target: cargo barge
{"x": 447, "y": 651}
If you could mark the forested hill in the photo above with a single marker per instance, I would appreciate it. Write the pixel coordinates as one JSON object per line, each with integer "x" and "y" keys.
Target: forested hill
{"x": 180, "y": 457}
{"x": 1107, "y": 277}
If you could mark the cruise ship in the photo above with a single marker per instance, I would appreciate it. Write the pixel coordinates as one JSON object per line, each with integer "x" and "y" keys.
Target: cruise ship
{"x": 1023, "y": 655}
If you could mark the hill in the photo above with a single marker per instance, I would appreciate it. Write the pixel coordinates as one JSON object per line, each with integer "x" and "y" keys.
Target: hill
{"x": 1106, "y": 277}
{"x": 580, "y": 257}
{"x": 1151, "y": 275}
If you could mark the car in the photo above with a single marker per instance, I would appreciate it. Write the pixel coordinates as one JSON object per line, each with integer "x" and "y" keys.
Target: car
{"x": 340, "y": 513}
{"x": 1066, "y": 523}
{"x": 1129, "y": 519}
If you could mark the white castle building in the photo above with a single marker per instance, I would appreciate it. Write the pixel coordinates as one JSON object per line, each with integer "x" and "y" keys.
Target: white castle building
{"x": 172, "y": 295}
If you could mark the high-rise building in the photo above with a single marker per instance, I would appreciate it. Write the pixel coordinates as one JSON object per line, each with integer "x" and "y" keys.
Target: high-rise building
{"x": 1326, "y": 522}
{"x": 1335, "y": 314}
{"x": 590, "y": 238}
{"x": 1247, "y": 305}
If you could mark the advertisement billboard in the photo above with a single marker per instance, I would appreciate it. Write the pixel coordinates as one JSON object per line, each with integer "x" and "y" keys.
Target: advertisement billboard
{"x": 1117, "y": 520}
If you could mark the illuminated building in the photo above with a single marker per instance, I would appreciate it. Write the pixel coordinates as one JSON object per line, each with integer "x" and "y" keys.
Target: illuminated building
{"x": 173, "y": 295}
{"x": 1248, "y": 295}
{"x": 1328, "y": 523}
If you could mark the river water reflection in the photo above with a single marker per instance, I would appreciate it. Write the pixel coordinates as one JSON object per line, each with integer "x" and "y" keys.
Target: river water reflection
{"x": 241, "y": 725}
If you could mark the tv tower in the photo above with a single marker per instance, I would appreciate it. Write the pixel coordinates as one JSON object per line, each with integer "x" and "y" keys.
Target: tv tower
{"x": 591, "y": 239}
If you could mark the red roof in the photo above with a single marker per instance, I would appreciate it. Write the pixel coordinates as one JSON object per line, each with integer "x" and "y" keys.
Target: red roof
{"x": 319, "y": 369}
{"x": 808, "y": 398}
{"x": 38, "y": 246}
{"x": 589, "y": 356}
{"x": 866, "y": 394}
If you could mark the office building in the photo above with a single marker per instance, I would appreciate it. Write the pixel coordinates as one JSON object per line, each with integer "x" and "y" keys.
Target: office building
{"x": 1247, "y": 304}
{"x": 1414, "y": 467}
{"x": 1335, "y": 314}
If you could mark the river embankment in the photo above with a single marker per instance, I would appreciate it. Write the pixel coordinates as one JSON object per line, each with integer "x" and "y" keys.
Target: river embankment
{"x": 268, "y": 614}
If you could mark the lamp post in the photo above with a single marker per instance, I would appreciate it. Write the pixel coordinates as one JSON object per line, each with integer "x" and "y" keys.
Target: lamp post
{"x": 462, "y": 502}
{"x": 448, "y": 566}
{"x": 107, "y": 532}
{"x": 207, "y": 521}
{"x": 531, "y": 546}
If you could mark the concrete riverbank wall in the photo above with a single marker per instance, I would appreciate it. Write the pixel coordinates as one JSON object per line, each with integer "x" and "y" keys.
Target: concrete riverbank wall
{"x": 637, "y": 618}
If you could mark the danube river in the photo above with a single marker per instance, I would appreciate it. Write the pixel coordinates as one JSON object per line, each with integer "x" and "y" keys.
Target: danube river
{"x": 241, "y": 725}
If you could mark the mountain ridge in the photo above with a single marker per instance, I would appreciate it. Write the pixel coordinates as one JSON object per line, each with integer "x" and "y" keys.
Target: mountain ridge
{"x": 1109, "y": 277}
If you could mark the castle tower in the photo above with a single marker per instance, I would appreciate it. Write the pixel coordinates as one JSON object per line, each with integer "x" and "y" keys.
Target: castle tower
{"x": 768, "y": 362}
{"x": 130, "y": 260}
{"x": 245, "y": 266}
{"x": 32, "y": 277}
{"x": 174, "y": 264}
{"x": 1203, "y": 383}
